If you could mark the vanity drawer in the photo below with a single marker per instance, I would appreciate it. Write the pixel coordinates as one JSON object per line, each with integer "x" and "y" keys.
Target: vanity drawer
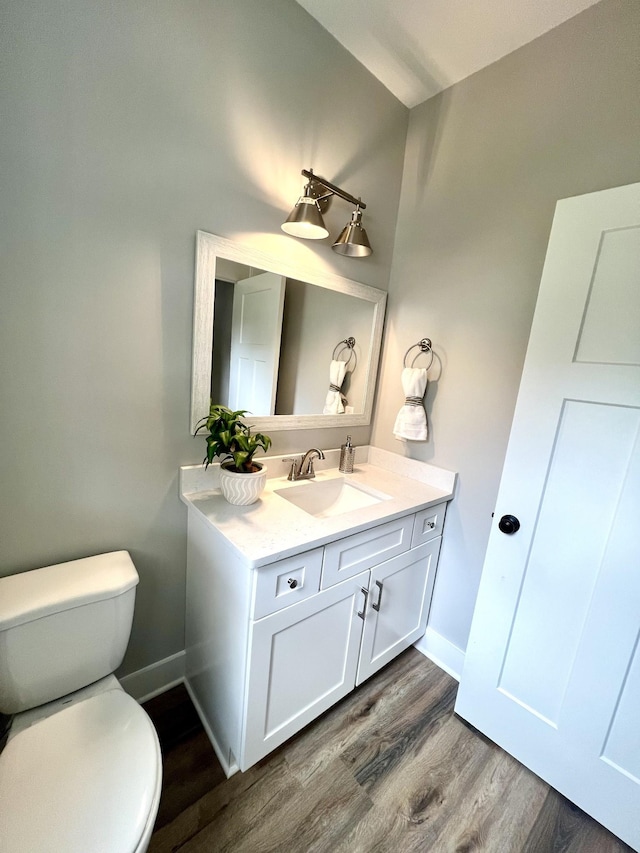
{"x": 346, "y": 557}
{"x": 428, "y": 524}
{"x": 286, "y": 582}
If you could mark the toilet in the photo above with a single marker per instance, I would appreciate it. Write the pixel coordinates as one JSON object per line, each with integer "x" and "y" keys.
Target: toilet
{"x": 81, "y": 769}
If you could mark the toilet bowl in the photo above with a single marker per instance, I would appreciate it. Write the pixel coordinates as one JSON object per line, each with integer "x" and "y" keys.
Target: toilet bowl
{"x": 81, "y": 770}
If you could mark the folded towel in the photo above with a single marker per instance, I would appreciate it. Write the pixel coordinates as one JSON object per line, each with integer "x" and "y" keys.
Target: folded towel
{"x": 411, "y": 423}
{"x": 333, "y": 404}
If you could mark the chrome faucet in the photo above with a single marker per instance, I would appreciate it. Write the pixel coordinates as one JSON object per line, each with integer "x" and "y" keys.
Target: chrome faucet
{"x": 304, "y": 470}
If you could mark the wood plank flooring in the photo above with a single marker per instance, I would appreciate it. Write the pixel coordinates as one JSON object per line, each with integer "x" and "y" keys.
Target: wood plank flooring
{"x": 390, "y": 769}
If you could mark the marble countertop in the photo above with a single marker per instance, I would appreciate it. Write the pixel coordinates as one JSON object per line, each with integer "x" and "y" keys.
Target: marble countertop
{"x": 274, "y": 528}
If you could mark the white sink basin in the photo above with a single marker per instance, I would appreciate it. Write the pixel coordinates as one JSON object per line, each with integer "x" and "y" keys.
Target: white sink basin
{"x": 326, "y": 498}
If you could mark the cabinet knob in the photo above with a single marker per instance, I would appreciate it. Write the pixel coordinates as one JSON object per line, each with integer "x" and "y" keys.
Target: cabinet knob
{"x": 293, "y": 583}
{"x": 509, "y": 524}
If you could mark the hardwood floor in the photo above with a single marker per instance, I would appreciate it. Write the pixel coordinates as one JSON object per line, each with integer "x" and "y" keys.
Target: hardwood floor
{"x": 390, "y": 769}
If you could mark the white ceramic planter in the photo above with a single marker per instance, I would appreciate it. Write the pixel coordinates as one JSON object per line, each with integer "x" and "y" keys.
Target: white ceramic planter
{"x": 242, "y": 489}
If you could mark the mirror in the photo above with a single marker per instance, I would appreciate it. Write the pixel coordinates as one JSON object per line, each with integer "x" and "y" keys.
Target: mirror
{"x": 267, "y": 336}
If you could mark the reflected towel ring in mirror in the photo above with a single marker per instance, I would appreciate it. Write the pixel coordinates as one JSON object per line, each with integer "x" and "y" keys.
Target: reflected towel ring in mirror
{"x": 425, "y": 346}
{"x": 348, "y": 343}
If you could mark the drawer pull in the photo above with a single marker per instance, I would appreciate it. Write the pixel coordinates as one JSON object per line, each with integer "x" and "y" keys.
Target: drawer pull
{"x": 361, "y": 613}
{"x": 431, "y": 524}
{"x": 376, "y": 606}
{"x": 293, "y": 583}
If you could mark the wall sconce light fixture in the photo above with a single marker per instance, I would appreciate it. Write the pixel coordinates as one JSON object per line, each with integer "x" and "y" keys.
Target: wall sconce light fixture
{"x": 305, "y": 220}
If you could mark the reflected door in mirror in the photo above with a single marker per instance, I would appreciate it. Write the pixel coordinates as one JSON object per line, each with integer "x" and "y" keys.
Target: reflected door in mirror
{"x": 256, "y": 328}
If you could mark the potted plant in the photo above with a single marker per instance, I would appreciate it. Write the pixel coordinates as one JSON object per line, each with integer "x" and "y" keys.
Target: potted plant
{"x": 241, "y": 479}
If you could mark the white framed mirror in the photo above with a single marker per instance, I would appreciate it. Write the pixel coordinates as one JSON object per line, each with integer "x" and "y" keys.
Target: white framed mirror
{"x": 265, "y": 334}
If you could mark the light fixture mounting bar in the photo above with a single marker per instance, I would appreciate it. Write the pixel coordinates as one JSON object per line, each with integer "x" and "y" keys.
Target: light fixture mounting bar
{"x": 333, "y": 188}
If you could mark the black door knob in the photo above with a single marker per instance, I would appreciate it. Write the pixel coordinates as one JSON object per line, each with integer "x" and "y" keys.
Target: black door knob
{"x": 509, "y": 524}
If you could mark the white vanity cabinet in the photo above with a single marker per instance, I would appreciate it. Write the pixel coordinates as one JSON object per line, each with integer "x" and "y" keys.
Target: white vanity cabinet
{"x": 269, "y": 649}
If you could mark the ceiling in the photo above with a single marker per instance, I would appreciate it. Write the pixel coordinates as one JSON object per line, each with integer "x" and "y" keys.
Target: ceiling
{"x": 419, "y": 47}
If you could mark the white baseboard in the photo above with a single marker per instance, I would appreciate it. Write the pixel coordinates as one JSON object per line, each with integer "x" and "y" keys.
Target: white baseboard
{"x": 229, "y": 767}
{"x": 155, "y": 678}
{"x": 442, "y": 652}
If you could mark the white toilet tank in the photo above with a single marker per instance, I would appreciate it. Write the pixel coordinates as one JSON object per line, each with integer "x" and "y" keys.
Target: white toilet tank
{"x": 63, "y": 627}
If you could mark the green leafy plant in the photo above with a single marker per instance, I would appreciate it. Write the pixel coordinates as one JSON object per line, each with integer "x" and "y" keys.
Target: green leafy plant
{"x": 230, "y": 438}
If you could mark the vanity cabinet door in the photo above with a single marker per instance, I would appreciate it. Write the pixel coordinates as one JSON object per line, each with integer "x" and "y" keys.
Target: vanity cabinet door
{"x": 302, "y": 660}
{"x": 397, "y": 607}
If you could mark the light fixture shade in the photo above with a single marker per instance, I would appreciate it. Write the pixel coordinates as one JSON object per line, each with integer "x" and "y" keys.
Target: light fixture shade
{"x": 353, "y": 240}
{"x": 305, "y": 220}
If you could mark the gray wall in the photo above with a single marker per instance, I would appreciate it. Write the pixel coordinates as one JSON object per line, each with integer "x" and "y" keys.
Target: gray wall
{"x": 127, "y": 126}
{"x": 485, "y": 163}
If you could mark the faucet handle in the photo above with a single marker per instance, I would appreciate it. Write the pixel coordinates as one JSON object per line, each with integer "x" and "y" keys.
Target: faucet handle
{"x": 293, "y": 471}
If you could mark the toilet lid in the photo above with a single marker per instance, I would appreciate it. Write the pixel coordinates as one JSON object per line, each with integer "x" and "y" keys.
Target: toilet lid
{"x": 83, "y": 779}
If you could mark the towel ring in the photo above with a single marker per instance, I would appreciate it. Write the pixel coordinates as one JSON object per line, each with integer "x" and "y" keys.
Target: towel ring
{"x": 425, "y": 346}
{"x": 347, "y": 343}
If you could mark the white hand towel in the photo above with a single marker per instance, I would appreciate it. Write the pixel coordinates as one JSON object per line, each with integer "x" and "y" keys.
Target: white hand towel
{"x": 411, "y": 423}
{"x": 333, "y": 403}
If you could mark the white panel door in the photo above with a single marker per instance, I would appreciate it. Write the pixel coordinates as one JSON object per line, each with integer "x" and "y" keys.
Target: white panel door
{"x": 256, "y": 329}
{"x": 552, "y": 668}
{"x": 397, "y": 606}
{"x": 302, "y": 660}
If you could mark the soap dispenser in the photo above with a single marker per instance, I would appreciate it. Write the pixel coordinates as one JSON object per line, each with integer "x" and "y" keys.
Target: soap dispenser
{"x": 347, "y": 455}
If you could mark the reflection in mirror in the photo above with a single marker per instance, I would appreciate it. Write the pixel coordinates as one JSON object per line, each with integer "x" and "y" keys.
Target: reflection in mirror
{"x": 271, "y": 338}
{"x": 274, "y": 341}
